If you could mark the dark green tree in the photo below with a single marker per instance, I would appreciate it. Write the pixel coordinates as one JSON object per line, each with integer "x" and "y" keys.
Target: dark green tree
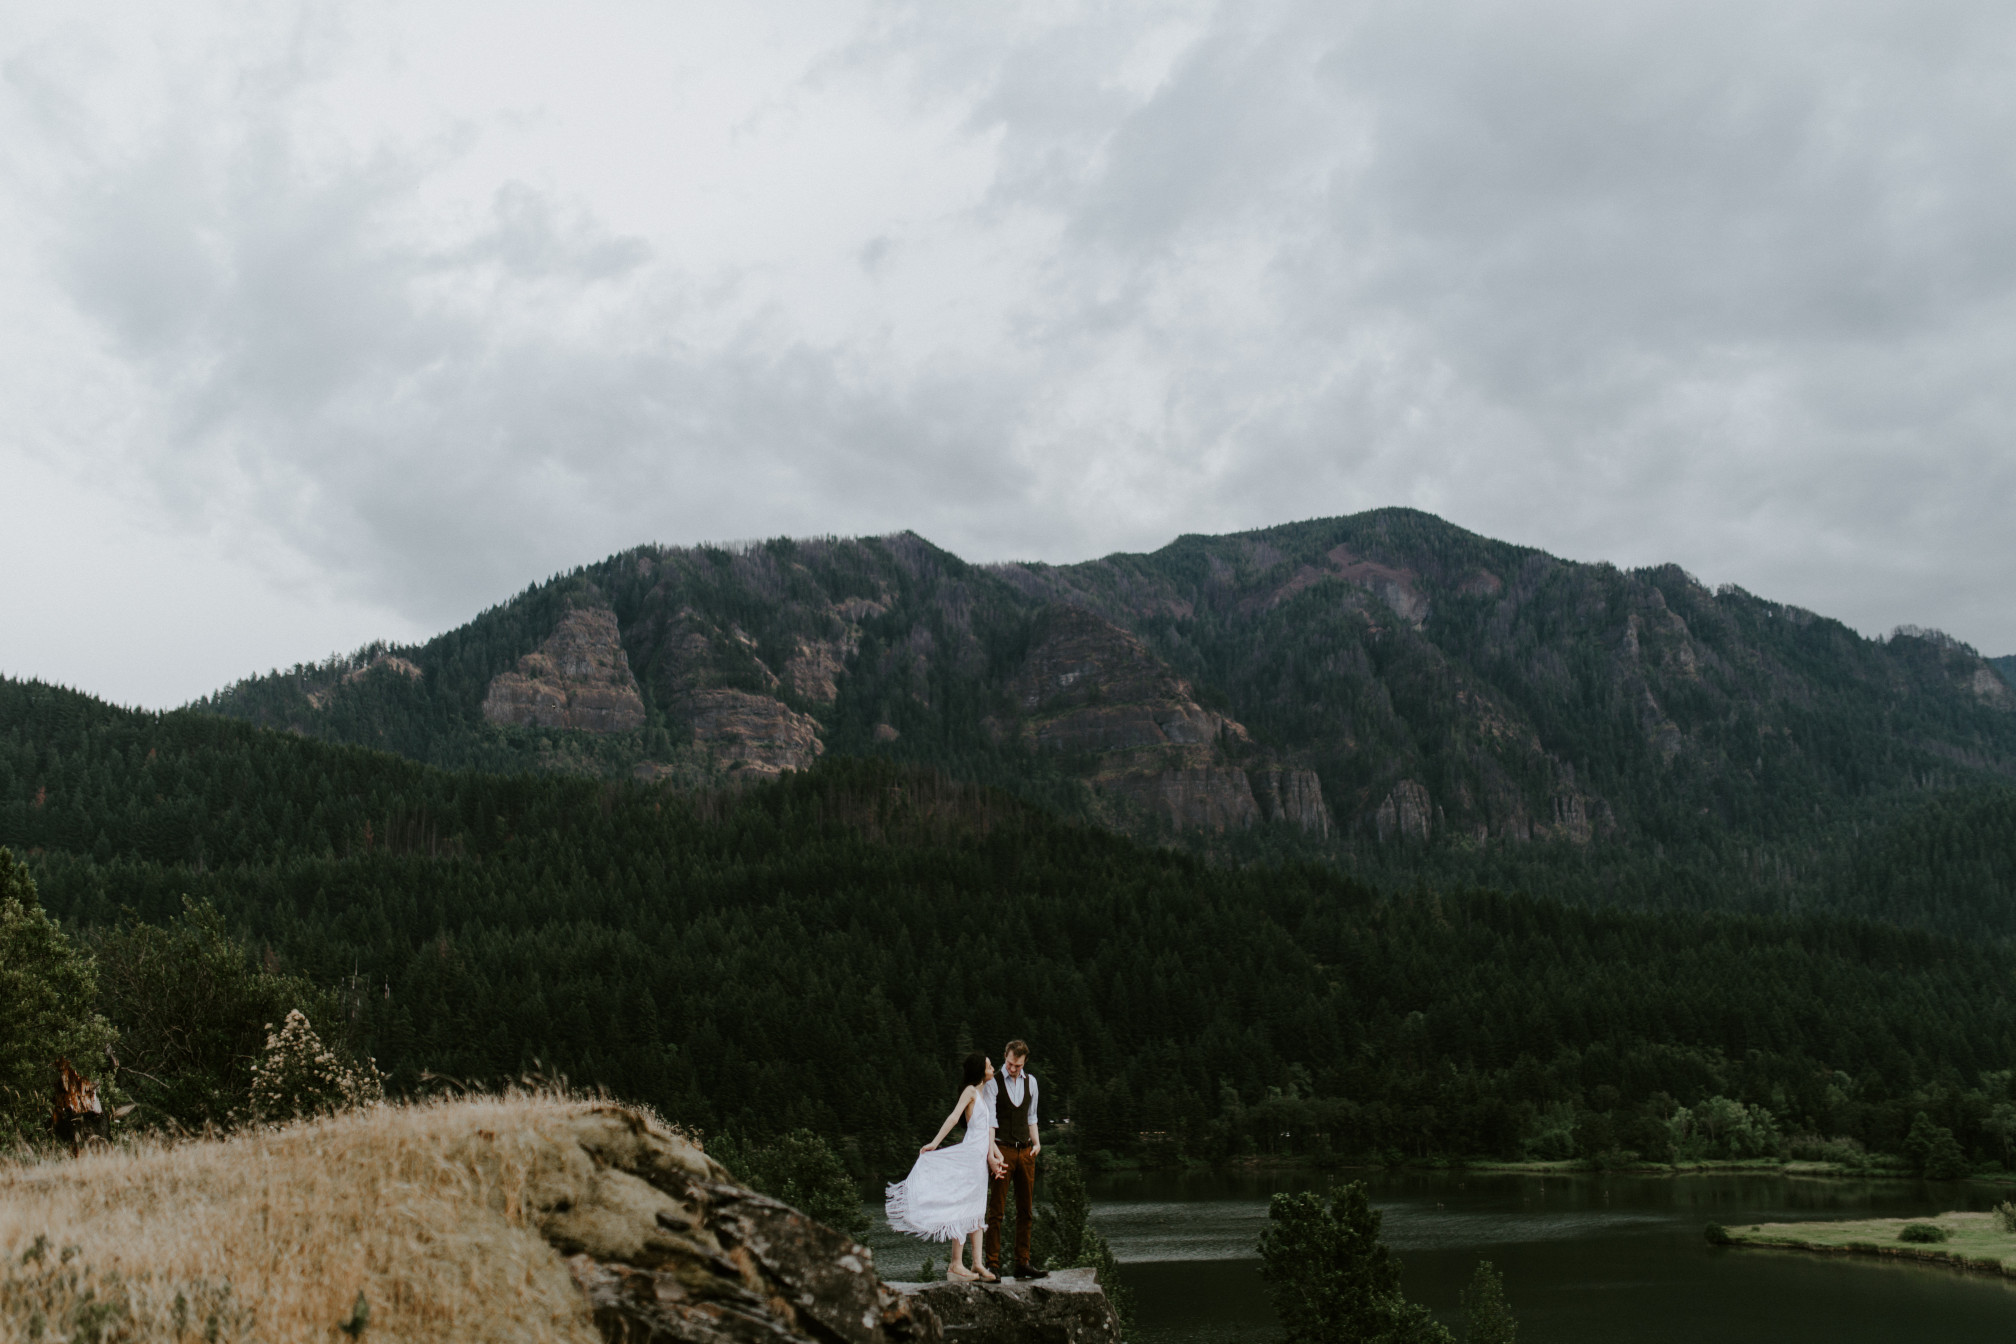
{"x": 1332, "y": 1279}
{"x": 192, "y": 1009}
{"x": 802, "y": 1170}
{"x": 47, "y": 990}
{"x": 1933, "y": 1152}
{"x": 1063, "y": 1236}
{"x": 1487, "y": 1316}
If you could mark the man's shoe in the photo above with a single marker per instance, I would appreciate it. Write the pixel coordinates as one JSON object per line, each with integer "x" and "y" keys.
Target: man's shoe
{"x": 1031, "y": 1272}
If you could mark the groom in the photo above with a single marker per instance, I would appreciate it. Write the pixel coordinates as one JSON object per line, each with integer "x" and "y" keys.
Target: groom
{"x": 1014, "y": 1097}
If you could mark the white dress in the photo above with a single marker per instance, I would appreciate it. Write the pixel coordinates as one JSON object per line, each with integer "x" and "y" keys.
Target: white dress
{"x": 944, "y": 1198}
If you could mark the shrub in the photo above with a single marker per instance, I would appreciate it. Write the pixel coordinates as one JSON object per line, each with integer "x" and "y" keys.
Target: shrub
{"x": 298, "y": 1076}
{"x": 2005, "y": 1214}
{"x": 1922, "y": 1233}
{"x": 1814, "y": 1148}
{"x": 1718, "y": 1235}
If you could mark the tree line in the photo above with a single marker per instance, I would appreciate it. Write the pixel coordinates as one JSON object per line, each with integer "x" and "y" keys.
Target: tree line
{"x": 815, "y": 954}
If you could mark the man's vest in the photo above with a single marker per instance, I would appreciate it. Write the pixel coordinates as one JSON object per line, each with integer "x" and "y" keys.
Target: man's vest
{"x": 1011, "y": 1119}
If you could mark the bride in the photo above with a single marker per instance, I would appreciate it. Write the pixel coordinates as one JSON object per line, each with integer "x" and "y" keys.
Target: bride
{"x": 944, "y": 1198}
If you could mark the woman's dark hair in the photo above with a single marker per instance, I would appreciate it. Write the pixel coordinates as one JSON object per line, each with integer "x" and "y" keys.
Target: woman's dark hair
{"x": 976, "y": 1069}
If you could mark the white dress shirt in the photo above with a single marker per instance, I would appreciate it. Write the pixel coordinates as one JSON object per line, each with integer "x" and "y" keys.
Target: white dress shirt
{"x": 1013, "y": 1087}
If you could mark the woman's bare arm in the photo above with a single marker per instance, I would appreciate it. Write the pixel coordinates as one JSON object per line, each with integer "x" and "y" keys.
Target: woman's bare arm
{"x": 958, "y": 1109}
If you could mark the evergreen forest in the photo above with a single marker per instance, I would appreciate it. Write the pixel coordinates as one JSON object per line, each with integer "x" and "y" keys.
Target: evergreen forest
{"x": 815, "y": 953}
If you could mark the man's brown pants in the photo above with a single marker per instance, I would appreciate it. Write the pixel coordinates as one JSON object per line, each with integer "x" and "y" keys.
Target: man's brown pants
{"x": 1022, "y": 1171}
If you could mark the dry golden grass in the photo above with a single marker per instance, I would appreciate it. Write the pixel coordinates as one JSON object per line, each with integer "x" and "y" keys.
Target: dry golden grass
{"x": 272, "y": 1234}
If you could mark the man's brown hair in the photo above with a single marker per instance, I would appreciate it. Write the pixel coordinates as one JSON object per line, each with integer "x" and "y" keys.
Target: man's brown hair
{"x": 1015, "y": 1048}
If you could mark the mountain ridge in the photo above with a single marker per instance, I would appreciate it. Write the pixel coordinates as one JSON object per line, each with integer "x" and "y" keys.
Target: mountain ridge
{"x": 1382, "y": 688}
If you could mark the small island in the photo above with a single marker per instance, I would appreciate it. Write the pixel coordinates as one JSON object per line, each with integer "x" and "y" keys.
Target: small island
{"x": 1982, "y": 1242}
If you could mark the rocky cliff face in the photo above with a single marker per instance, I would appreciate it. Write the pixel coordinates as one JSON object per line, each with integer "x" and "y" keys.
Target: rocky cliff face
{"x": 1088, "y": 687}
{"x": 1292, "y": 796}
{"x": 1368, "y": 680}
{"x": 752, "y": 735}
{"x": 668, "y": 1247}
{"x": 579, "y": 678}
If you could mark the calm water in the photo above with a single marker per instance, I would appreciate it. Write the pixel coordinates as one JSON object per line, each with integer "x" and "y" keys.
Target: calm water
{"x": 1585, "y": 1258}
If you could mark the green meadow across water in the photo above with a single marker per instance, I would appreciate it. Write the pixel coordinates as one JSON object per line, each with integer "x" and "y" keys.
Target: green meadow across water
{"x": 1586, "y": 1258}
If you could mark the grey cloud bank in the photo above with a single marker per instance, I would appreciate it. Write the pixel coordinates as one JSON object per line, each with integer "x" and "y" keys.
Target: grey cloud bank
{"x": 372, "y": 319}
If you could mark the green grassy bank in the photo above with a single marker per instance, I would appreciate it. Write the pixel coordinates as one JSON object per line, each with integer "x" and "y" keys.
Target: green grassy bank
{"x": 1974, "y": 1241}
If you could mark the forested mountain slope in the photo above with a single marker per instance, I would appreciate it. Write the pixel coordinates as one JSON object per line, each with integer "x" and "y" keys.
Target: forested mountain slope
{"x": 1384, "y": 691}
{"x": 746, "y": 958}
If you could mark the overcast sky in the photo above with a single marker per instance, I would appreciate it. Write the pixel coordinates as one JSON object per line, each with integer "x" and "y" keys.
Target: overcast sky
{"x": 326, "y": 322}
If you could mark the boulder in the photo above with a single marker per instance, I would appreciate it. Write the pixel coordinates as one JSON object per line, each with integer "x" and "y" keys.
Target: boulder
{"x": 1069, "y": 1307}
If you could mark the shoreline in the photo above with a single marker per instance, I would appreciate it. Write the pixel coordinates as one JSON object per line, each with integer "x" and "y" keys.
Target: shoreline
{"x": 1569, "y": 1167}
{"x": 1978, "y": 1243}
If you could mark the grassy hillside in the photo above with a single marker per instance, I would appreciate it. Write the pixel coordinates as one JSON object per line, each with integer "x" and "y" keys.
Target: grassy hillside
{"x": 715, "y": 954}
{"x": 441, "y": 1217}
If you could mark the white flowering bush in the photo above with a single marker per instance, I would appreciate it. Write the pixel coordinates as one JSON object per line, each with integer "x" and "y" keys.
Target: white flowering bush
{"x": 299, "y": 1076}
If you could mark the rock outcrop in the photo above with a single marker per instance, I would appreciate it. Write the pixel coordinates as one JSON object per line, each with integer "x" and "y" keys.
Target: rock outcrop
{"x": 579, "y": 678}
{"x": 1293, "y": 796}
{"x": 1407, "y": 814}
{"x": 667, "y": 1247}
{"x": 390, "y": 662}
{"x": 1091, "y": 688}
{"x": 1069, "y": 1307}
{"x": 752, "y": 735}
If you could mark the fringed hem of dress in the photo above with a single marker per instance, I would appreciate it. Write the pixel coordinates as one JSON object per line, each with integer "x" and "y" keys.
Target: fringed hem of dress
{"x": 897, "y": 1199}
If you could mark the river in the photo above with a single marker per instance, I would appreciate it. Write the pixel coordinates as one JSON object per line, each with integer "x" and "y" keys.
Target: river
{"x": 1586, "y": 1258}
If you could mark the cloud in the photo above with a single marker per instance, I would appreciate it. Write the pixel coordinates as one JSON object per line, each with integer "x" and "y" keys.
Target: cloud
{"x": 1724, "y": 284}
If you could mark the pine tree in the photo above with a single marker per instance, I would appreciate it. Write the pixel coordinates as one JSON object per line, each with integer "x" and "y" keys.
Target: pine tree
{"x": 1488, "y": 1318}
{"x": 1330, "y": 1276}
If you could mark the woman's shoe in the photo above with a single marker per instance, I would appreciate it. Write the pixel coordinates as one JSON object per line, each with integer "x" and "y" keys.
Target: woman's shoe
{"x": 960, "y": 1274}
{"x": 987, "y": 1276}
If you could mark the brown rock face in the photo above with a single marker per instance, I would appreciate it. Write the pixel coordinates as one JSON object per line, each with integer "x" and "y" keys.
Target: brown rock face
{"x": 753, "y": 735}
{"x": 1088, "y": 685}
{"x": 814, "y": 670}
{"x": 667, "y": 1247}
{"x": 1293, "y": 796}
{"x": 580, "y": 678}
{"x": 1207, "y": 798}
{"x": 1067, "y": 1308}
